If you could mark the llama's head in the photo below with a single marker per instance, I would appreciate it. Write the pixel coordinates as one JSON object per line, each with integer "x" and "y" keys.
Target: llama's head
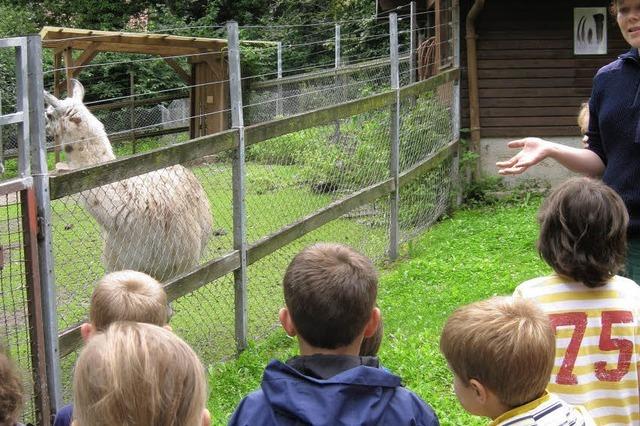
{"x": 76, "y": 129}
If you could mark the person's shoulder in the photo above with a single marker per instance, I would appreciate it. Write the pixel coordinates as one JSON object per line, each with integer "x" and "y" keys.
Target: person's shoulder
{"x": 529, "y": 287}
{"x": 625, "y": 287}
{"x": 618, "y": 64}
{"x": 64, "y": 416}
{"x": 410, "y": 404}
{"x": 611, "y": 71}
{"x": 252, "y": 407}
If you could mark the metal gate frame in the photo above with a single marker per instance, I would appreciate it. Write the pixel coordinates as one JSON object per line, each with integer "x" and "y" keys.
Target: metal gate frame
{"x": 32, "y": 184}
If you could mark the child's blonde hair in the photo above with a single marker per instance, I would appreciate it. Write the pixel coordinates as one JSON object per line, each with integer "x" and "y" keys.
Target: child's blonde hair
{"x": 138, "y": 374}
{"x": 583, "y": 118}
{"x": 128, "y": 296}
{"x": 507, "y": 344}
{"x": 11, "y": 391}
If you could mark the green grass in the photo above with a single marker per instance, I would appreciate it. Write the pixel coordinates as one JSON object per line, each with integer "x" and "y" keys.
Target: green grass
{"x": 473, "y": 255}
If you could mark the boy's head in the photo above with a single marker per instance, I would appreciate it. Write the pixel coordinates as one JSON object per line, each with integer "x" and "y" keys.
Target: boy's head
{"x": 330, "y": 293}
{"x": 139, "y": 374}
{"x": 11, "y": 391}
{"x": 501, "y": 351}
{"x": 126, "y": 296}
{"x": 583, "y": 231}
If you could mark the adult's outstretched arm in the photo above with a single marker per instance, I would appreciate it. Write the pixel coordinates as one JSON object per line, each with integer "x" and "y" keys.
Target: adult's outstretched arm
{"x": 534, "y": 150}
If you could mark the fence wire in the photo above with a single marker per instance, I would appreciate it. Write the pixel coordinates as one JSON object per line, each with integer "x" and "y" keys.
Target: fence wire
{"x": 15, "y": 330}
{"x": 131, "y": 223}
{"x": 426, "y": 126}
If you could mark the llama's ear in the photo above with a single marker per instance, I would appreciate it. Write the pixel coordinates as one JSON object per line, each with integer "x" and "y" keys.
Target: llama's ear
{"x": 78, "y": 90}
{"x": 51, "y": 100}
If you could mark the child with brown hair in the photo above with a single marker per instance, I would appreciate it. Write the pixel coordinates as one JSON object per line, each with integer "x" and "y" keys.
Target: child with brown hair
{"x": 595, "y": 313}
{"x": 121, "y": 296}
{"x": 11, "y": 392}
{"x": 501, "y": 353}
{"x": 330, "y": 295}
{"x": 139, "y": 374}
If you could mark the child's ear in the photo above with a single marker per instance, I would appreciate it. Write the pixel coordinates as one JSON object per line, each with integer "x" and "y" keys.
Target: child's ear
{"x": 87, "y": 330}
{"x": 481, "y": 392}
{"x": 287, "y": 322}
{"x": 168, "y": 327}
{"x": 206, "y": 418}
{"x": 374, "y": 322}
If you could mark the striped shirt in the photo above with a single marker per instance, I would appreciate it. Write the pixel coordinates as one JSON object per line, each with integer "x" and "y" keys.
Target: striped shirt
{"x": 597, "y": 344}
{"x": 548, "y": 410}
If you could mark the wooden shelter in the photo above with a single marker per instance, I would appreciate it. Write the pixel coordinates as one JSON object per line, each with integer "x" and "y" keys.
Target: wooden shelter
{"x": 207, "y": 75}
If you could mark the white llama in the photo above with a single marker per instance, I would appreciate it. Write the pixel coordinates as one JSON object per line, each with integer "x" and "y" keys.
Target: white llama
{"x": 158, "y": 222}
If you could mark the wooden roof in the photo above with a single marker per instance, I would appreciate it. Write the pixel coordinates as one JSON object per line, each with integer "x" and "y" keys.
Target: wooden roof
{"x": 146, "y": 43}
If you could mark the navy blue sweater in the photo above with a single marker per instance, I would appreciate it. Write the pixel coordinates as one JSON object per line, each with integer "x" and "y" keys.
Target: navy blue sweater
{"x": 614, "y": 130}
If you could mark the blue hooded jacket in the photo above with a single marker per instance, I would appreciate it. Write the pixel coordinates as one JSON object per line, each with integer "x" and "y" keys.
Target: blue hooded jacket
{"x": 361, "y": 395}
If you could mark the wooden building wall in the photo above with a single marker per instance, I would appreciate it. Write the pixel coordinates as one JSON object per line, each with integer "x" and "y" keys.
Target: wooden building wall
{"x": 209, "y": 96}
{"x": 530, "y": 82}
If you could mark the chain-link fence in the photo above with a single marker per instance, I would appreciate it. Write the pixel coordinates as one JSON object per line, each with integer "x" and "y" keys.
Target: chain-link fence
{"x": 368, "y": 160}
{"x": 14, "y": 299}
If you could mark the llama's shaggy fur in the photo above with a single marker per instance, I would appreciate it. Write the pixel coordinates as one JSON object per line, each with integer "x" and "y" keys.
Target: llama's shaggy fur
{"x": 158, "y": 222}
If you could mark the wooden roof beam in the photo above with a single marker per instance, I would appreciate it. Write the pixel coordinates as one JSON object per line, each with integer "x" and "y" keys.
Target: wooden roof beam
{"x": 87, "y": 56}
{"x": 178, "y": 69}
{"x": 73, "y": 68}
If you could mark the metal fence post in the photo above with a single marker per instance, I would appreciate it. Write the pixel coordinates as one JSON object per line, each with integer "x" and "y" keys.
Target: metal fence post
{"x": 44, "y": 236}
{"x": 239, "y": 213}
{"x": 394, "y": 197}
{"x": 338, "y": 80}
{"x": 1, "y": 140}
{"x": 455, "y": 108}
{"x": 338, "y": 48}
{"x": 413, "y": 60}
{"x": 132, "y": 109}
{"x": 279, "y": 77}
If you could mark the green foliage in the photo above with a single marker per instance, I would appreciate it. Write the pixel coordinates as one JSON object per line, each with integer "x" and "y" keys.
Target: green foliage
{"x": 20, "y": 17}
{"x": 99, "y": 15}
{"x": 13, "y": 20}
{"x": 355, "y": 152}
{"x": 492, "y": 189}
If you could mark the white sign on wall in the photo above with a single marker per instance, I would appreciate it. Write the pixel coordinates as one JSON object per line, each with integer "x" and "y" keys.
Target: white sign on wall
{"x": 589, "y": 30}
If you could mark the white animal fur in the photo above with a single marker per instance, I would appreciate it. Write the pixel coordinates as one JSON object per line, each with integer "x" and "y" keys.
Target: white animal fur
{"x": 158, "y": 222}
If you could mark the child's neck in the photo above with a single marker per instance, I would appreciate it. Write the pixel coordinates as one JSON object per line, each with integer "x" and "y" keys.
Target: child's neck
{"x": 495, "y": 409}
{"x": 307, "y": 349}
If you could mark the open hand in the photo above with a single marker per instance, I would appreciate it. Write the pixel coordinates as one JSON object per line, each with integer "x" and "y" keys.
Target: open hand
{"x": 533, "y": 151}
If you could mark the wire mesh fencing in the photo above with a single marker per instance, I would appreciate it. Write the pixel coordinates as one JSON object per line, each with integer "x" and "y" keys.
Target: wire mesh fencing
{"x": 270, "y": 99}
{"x": 175, "y": 212}
{"x": 15, "y": 330}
